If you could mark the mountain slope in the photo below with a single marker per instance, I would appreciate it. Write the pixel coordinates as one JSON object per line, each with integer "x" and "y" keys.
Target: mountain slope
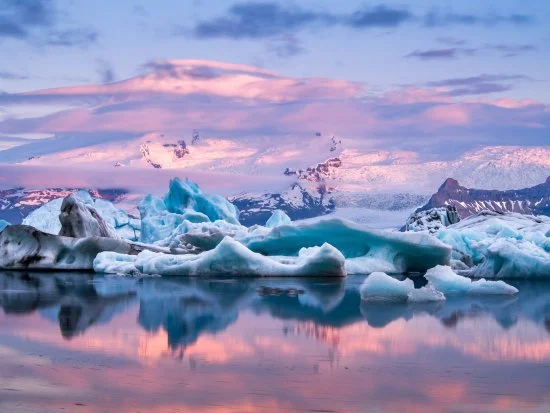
{"x": 534, "y": 200}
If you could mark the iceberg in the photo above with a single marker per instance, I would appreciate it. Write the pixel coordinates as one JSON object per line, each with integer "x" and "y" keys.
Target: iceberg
{"x": 277, "y": 219}
{"x": 501, "y": 245}
{"x": 202, "y": 236}
{"x": 432, "y": 220}
{"x": 228, "y": 258}
{"x": 156, "y": 222}
{"x": 379, "y": 286}
{"x": 183, "y": 202}
{"x": 80, "y": 220}
{"x": 425, "y": 295}
{"x": 46, "y": 218}
{"x": 3, "y": 224}
{"x": 25, "y": 247}
{"x": 402, "y": 251}
{"x": 444, "y": 279}
{"x": 110, "y": 262}
{"x": 186, "y": 196}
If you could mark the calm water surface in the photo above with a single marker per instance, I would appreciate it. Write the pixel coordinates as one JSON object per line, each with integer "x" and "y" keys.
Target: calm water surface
{"x": 83, "y": 343}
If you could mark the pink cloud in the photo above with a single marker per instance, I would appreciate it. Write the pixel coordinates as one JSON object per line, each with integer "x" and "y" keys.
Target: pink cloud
{"x": 454, "y": 114}
{"x": 192, "y": 77}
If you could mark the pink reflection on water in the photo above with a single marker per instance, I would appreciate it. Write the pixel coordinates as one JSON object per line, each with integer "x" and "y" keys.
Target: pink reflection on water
{"x": 263, "y": 364}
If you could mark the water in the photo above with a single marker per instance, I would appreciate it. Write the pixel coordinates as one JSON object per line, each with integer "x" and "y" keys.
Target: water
{"x": 83, "y": 343}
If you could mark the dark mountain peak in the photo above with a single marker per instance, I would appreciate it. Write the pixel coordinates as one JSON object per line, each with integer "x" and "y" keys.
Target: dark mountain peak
{"x": 449, "y": 185}
{"x": 468, "y": 201}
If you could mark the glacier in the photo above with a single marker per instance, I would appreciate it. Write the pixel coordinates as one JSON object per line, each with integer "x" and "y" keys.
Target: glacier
{"x": 500, "y": 245}
{"x": 229, "y": 257}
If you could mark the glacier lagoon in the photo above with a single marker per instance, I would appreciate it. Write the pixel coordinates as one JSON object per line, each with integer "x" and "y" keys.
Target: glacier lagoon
{"x": 92, "y": 343}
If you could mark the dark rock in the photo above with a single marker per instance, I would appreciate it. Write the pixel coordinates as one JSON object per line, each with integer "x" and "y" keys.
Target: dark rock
{"x": 79, "y": 220}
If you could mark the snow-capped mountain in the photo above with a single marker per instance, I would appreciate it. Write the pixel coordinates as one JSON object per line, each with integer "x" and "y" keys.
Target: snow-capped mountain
{"x": 17, "y": 203}
{"x": 534, "y": 200}
{"x": 298, "y": 202}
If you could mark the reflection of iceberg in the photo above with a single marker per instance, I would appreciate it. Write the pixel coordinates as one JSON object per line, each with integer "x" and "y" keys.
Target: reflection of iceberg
{"x": 76, "y": 313}
{"x": 65, "y": 298}
{"x": 532, "y": 303}
{"x": 183, "y": 310}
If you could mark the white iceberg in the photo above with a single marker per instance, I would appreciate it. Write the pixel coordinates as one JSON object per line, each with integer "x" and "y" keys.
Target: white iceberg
{"x": 444, "y": 279}
{"x": 380, "y": 286}
{"x": 425, "y": 294}
{"x": 277, "y": 219}
{"x": 228, "y": 258}
{"x": 501, "y": 245}
{"x": 379, "y": 250}
{"x": 110, "y": 262}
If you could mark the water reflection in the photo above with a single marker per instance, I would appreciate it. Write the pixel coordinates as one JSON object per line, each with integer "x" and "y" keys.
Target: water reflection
{"x": 265, "y": 345}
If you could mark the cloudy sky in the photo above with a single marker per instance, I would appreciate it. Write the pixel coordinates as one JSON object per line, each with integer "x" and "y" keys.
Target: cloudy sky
{"x": 438, "y": 77}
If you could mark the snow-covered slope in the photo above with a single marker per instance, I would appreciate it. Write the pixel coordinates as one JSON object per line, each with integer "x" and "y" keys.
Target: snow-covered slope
{"x": 345, "y": 165}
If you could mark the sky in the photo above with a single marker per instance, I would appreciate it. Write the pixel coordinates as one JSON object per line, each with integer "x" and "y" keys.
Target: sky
{"x": 435, "y": 77}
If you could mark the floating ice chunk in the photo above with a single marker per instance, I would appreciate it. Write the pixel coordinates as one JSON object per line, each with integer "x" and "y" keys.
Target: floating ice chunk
{"x": 381, "y": 287}
{"x": 3, "y": 224}
{"x": 512, "y": 258}
{"x": 425, "y": 294}
{"x": 25, "y": 247}
{"x": 447, "y": 281}
{"x": 277, "y": 219}
{"x": 109, "y": 262}
{"x": 186, "y": 195}
{"x": 402, "y": 251}
{"x": 232, "y": 258}
{"x": 499, "y": 245}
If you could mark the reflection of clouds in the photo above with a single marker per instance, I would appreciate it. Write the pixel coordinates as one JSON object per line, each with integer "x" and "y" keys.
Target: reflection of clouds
{"x": 277, "y": 354}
